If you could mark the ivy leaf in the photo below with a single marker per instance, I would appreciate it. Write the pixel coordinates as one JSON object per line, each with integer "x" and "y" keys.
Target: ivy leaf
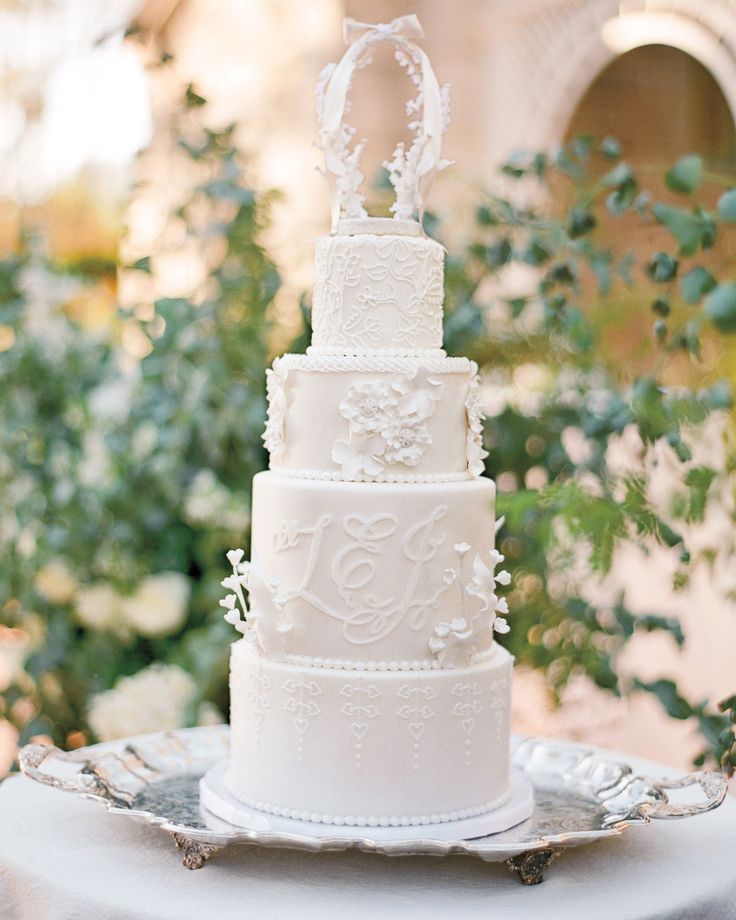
{"x": 695, "y": 283}
{"x": 676, "y": 706}
{"x": 663, "y": 267}
{"x": 727, "y": 205}
{"x": 720, "y": 307}
{"x": 686, "y": 175}
{"x": 579, "y": 222}
{"x": 618, "y": 176}
{"x": 143, "y": 265}
{"x": 485, "y": 217}
{"x": 682, "y": 224}
{"x": 610, "y": 148}
{"x": 193, "y": 99}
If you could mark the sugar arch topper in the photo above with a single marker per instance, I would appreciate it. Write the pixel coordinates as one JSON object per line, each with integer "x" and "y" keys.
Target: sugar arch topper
{"x": 410, "y": 171}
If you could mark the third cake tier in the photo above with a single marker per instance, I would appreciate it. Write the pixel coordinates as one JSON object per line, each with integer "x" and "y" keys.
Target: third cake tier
{"x": 369, "y": 575}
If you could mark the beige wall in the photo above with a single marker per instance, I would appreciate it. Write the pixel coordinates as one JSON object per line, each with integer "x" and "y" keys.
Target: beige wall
{"x": 518, "y": 71}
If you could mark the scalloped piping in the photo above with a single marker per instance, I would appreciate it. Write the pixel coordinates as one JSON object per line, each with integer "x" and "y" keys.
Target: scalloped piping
{"x": 376, "y": 364}
{"x": 401, "y": 478}
{"x": 346, "y": 351}
{"x": 360, "y": 821}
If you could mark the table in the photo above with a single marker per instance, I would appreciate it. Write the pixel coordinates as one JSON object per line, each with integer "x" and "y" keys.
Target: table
{"x": 63, "y": 858}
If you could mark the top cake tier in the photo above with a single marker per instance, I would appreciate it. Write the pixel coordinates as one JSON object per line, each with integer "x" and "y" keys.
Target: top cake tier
{"x": 378, "y": 289}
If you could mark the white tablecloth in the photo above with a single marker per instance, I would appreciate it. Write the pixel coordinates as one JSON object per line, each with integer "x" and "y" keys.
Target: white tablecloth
{"x": 63, "y": 858}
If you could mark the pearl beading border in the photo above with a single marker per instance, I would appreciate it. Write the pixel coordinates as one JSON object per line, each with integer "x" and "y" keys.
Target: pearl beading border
{"x": 348, "y": 664}
{"x": 296, "y": 814}
{"x": 345, "y": 351}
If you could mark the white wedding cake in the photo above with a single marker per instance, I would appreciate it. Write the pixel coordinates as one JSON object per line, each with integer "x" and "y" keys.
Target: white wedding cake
{"x": 367, "y": 689}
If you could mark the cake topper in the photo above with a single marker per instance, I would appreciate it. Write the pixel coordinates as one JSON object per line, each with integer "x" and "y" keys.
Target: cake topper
{"x": 409, "y": 171}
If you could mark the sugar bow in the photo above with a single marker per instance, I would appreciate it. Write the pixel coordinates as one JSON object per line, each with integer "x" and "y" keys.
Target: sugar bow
{"x": 407, "y": 27}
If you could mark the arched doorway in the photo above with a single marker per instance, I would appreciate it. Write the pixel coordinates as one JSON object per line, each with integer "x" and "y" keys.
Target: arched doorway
{"x": 660, "y": 103}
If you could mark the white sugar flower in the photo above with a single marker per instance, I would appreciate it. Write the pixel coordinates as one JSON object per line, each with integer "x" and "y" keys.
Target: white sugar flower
{"x": 367, "y": 406}
{"x": 406, "y": 441}
{"x": 159, "y": 605}
{"x": 55, "y": 582}
{"x": 155, "y": 699}
{"x": 360, "y": 455}
{"x": 273, "y": 436}
{"x": 452, "y": 642}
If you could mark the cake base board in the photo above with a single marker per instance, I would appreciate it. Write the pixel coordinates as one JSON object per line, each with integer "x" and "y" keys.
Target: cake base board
{"x": 215, "y": 798}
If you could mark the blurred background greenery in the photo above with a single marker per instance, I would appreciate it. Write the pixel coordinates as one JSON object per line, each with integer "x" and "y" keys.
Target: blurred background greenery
{"x": 137, "y": 316}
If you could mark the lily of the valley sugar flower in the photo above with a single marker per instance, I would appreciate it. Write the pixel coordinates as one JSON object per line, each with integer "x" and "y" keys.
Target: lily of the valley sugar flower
{"x": 262, "y": 618}
{"x": 155, "y": 699}
{"x": 455, "y": 642}
{"x": 158, "y": 607}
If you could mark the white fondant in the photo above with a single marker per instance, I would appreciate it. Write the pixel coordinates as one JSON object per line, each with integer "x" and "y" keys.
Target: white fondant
{"x": 516, "y": 807}
{"x": 362, "y": 568}
{"x": 385, "y": 745}
{"x": 374, "y": 291}
{"x": 383, "y": 419}
{"x": 367, "y": 690}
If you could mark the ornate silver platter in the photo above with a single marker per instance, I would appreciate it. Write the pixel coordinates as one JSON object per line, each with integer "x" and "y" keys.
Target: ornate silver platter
{"x": 579, "y": 797}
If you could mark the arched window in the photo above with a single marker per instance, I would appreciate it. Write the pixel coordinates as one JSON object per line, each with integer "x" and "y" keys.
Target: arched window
{"x": 660, "y": 103}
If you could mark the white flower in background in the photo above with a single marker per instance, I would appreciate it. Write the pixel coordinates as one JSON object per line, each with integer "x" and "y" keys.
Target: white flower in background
{"x": 111, "y": 401}
{"x": 94, "y": 470}
{"x": 15, "y": 644}
{"x": 273, "y": 436}
{"x": 55, "y": 582}
{"x": 208, "y": 502}
{"x": 367, "y": 406}
{"x": 98, "y": 607}
{"x": 159, "y": 605}
{"x": 145, "y": 437}
{"x": 360, "y": 454}
{"x": 45, "y": 294}
{"x": 209, "y": 714}
{"x": 406, "y": 440}
{"x": 155, "y": 699}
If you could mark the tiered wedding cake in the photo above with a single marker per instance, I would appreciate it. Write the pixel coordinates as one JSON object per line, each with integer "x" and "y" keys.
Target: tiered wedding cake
{"x": 367, "y": 689}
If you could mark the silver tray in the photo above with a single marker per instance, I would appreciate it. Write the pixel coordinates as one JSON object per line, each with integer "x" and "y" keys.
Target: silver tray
{"x": 580, "y": 797}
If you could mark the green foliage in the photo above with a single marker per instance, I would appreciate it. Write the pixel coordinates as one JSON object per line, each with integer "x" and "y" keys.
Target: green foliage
{"x": 559, "y": 536}
{"x": 686, "y": 175}
{"x": 115, "y": 471}
{"x": 158, "y": 480}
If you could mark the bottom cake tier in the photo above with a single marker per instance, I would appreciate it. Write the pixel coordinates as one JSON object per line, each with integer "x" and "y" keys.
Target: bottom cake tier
{"x": 369, "y": 748}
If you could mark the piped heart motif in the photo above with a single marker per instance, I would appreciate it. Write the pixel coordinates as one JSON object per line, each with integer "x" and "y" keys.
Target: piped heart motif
{"x": 359, "y": 729}
{"x": 417, "y": 729}
{"x": 301, "y": 724}
{"x": 468, "y": 725}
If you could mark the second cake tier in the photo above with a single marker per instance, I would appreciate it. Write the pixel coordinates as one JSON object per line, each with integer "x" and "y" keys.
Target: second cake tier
{"x": 385, "y": 419}
{"x": 374, "y": 576}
